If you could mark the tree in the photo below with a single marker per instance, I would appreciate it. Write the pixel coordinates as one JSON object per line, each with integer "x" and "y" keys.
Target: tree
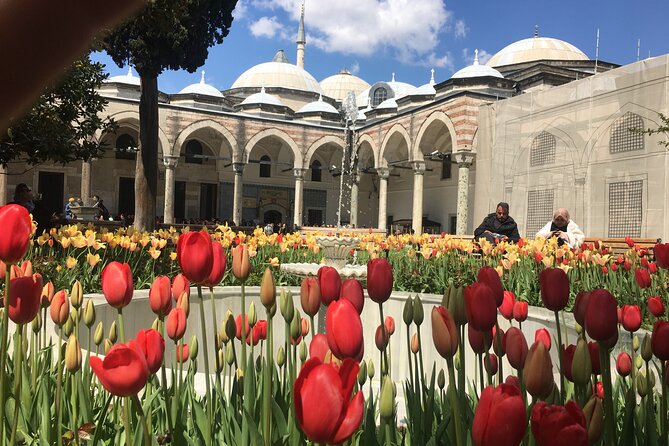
{"x": 663, "y": 128}
{"x": 169, "y": 34}
{"x": 61, "y": 126}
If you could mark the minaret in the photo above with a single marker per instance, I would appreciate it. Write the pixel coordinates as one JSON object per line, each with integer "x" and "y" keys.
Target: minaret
{"x": 301, "y": 40}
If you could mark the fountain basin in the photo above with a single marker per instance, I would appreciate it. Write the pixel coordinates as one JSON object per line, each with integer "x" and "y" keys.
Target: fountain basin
{"x": 311, "y": 269}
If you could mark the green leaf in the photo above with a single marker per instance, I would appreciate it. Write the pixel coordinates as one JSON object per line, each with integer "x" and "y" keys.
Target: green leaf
{"x": 202, "y": 422}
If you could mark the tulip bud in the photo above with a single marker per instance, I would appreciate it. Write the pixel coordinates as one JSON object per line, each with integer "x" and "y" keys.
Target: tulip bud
{"x": 230, "y": 325}
{"x": 253, "y": 317}
{"x": 107, "y": 345}
{"x": 192, "y": 347}
{"x": 578, "y": 328}
{"x": 456, "y": 305}
{"x": 113, "y": 335}
{"x": 304, "y": 327}
{"x": 155, "y": 324}
{"x": 271, "y": 311}
{"x": 636, "y": 343}
{"x": 370, "y": 369}
{"x": 407, "y": 313}
{"x": 638, "y": 362}
{"x": 303, "y": 351}
{"x": 229, "y": 354}
{"x": 418, "y": 313}
{"x": 73, "y": 354}
{"x": 362, "y": 374}
{"x": 89, "y": 313}
{"x": 59, "y": 309}
{"x": 68, "y": 328}
{"x": 457, "y": 362}
{"x": 441, "y": 379}
{"x": 287, "y": 306}
{"x": 36, "y": 324}
{"x": 267, "y": 289}
{"x": 651, "y": 378}
{"x": 77, "y": 294}
{"x": 220, "y": 360}
{"x": 445, "y": 333}
{"x": 538, "y": 371}
{"x": 47, "y": 293}
{"x": 641, "y": 384}
{"x": 491, "y": 364}
{"x": 415, "y": 346}
{"x": 387, "y": 399}
{"x": 296, "y": 326}
{"x": 646, "y": 349}
{"x": 581, "y": 366}
{"x": 594, "y": 417}
{"x": 99, "y": 334}
{"x": 184, "y": 303}
{"x": 280, "y": 356}
{"x": 624, "y": 364}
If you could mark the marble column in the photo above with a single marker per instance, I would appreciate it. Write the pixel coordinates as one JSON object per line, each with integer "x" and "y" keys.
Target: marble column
{"x": 170, "y": 163}
{"x": 238, "y": 169}
{"x": 355, "y": 181}
{"x": 464, "y": 159}
{"x": 3, "y": 186}
{"x": 383, "y": 173}
{"x": 86, "y": 182}
{"x": 299, "y": 196}
{"x": 417, "y": 214}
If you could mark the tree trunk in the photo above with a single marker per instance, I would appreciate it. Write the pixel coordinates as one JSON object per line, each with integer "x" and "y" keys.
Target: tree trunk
{"x": 146, "y": 170}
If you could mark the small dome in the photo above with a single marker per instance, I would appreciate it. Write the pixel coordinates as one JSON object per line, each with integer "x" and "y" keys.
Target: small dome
{"x": 536, "y": 48}
{"x": 127, "y": 79}
{"x": 278, "y": 73}
{"x": 427, "y": 89}
{"x": 318, "y": 106}
{"x": 202, "y": 88}
{"x": 338, "y": 86}
{"x": 401, "y": 88}
{"x": 262, "y": 98}
{"x": 476, "y": 70}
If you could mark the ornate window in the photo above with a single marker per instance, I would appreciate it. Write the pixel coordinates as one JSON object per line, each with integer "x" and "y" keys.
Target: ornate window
{"x": 316, "y": 170}
{"x": 380, "y": 95}
{"x": 542, "y": 150}
{"x": 126, "y": 147}
{"x": 539, "y": 210}
{"x": 194, "y": 152}
{"x": 625, "y": 208}
{"x": 265, "y": 166}
{"x": 623, "y": 139}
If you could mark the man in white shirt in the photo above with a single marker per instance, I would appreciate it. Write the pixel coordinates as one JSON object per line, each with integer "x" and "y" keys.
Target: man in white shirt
{"x": 563, "y": 228}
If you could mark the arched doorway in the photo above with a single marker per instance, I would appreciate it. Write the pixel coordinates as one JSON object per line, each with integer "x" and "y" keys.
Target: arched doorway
{"x": 273, "y": 216}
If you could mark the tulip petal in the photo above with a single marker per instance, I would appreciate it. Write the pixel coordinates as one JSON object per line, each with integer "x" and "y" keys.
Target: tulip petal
{"x": 352, "y": 419}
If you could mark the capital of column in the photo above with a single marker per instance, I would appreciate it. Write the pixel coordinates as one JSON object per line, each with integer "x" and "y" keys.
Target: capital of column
{"x": 418, "y": 167}
{"x": 356, "y": 176}
{"x": 299, "y": 173}
{"x": 170, "y": 161}
{"x": 383, "y": 172}
{"x": 238, "y": 168}
{"x": 464, "y": 158}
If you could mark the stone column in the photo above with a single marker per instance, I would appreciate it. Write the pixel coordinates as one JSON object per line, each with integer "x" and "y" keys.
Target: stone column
{"x": 3, "y": 186}
{"x": 299, "y": 195}
{"x": 355, "y": 180}
{"x": 170, "y": 162}
{"x": 464, "y": 159}
{"x": 383, "y": 173}
{"x": 86, "y": 182}
{"x": 238, "y": 169}
{"x": 417, "y": 214}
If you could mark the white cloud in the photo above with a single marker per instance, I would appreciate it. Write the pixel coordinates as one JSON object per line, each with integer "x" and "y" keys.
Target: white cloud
{"x": 265, "y": 27}
{"x": 460, "y": 29}
{"x": 355, "y": 68}
{"x": 468, "y": 56}
{"x": 240, "y": 9}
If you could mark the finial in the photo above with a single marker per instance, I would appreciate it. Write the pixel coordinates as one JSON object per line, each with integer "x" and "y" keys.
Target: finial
{"x": 431, "y": 76}
{"x": 129, "y": 71}
{"x": 262, "y": 90}
{"x": 320, "y": 98}
{"x": 476, "y": 57}
{"x": 393, "y": 79}
{"x": 202, "y": 79}
{"x": 536, "y": 30}
{"x": 300, "y": 30}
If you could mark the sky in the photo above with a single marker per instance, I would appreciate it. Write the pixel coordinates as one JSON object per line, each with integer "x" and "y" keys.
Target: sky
{"x": 376, "y": 38}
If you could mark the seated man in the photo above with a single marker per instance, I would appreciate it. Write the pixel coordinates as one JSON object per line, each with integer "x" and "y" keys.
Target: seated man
{"x": 564, "y": 229}
{"x": 498, "y": 225}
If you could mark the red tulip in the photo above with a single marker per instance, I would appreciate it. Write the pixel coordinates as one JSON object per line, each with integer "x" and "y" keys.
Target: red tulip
{"x": 499, "y": 419}
{"x": 310, "y": 295}
{"x": 480, "y": 306}
{"x": 445, "y": 334}
{"x": 238, "y": 323}
{"x": 59, "y": 310}
{"x": 351, "y": 289}
{"x": 652, "y": 267}
{"x": 631, "y": 317}
{"x": 580, "y": 304}
{"x": 16, "y": 232}
{"x": 25, "y": 296}
{"x": 379, "y": 280}
{"x": 512, "y": 380}
{"x": 601, "y": 315}
{"x": 381, "y": 338}
{"x": 217, "y": 267}
{"x": 260, "y": 330}
{"x": 593, "y": 349}
{"x": 520, "y": 311}
{"x": 538, "y": 371}
{"x": 661, "y": 251}
{"x": 343, "y": 329}
{"x": 123, "y": 372}
{"x": 479, "y": 341}
{"x": 624, "y": 364}
{"x": 488, "y": 275}
{"x": 506, "y": 309}
{"x": 389, "y": 322}
{"x": 656, "y": 306}
{"x": 195, "y": 255}
{"x": 182, "y": 353}
{"x": 160, "y": 296}
{"x": 175, "y": 326}
{"x": 516, "y": 347}
{"x": 330, "y": 284}
{"x": 544, "y": 336}
{"x": 319, "y": 347}
{"x": 567, "y": 360}
{"x": 659, "y": 340}
{"x": 498, "y": 341}
{"x": 554, "y": 288}
{"x": 241, "y": 265}
{"x": 491, "y": 364}
{"x": 117, "y": 284}
{"x": 323, "y": 404}
{"x": 559, "y": 425}
{"x": 153, "y": 346}
{"x": 180, "y": 285}
{"x": 642, "y": 277}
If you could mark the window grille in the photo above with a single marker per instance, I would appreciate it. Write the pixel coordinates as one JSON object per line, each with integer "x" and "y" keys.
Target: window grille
{"x": 622, "y": 138}
{"x": 539, "y": 210}
{"x": 625, "y": 208}
{"x": 543, "y": 149}
{"x": 314, "y": 198}
{"x": 380, "y": 95}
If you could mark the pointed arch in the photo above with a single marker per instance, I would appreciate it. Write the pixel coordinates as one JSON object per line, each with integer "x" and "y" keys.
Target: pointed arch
{"x": 206, "y": 124}
{"x": 283, "y": 136}
{"x": 436, "y": 116}
{"x": 366, "y": 138}
{"x": 130, "y": 118}
{"x": 396, "y": 129}
{"x": 329, "y": 139}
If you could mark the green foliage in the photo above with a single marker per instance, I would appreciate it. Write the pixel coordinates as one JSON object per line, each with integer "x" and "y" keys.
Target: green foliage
{"x": 662, "y": 128}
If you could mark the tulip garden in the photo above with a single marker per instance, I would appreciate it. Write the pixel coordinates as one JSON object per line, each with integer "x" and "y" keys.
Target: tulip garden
{"x": 92, "y": 384}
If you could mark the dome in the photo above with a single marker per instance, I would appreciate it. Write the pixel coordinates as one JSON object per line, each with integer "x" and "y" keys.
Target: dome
{"x": 401, "y": 89}
{"x": 536, "y": 48}
{"x": 262, "y": 98}
{"x": 476, "y": 70}
{"x": 127, "y": 79}
{"x": 278, "y": 73}
{"x": 318, "y": 107}
{"x": 202, "y": 88}
{"x": 338, "y": 86}
{"x": 427, "y": 89}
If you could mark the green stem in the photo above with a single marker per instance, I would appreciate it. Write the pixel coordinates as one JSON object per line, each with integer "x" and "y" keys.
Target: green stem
{"x": 18, "y": 375}
{"x": 454, "y": 403}
{"x": 216, "y": 342}
{"x": 482, "y": 383}
{"x": 663, "y": 406}
{"x": 608, "y": 394}
{"x": 3, "y": 354}
{"x": 59, "y": 388}
{"x": 267, "y": 388}
{"x": 384, "y": 354}
{"x": 244, "y": 358}
{"x": 120, "y": 325}
{"x": 210, "y": 406}
{"x": 559, "y": 346}
{"x": 142, "y": 418}
{"x": 411, "y": 380}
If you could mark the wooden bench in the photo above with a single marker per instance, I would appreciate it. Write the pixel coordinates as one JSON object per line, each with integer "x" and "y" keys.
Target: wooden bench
{"x": 620, "y": 246}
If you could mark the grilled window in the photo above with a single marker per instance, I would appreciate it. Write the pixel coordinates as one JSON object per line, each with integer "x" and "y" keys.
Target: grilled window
{"x": 623, "y": 138}
{"x": 543, "y": 150}
{"x": 539, "y": 210}
{"x": 625, "y": 208}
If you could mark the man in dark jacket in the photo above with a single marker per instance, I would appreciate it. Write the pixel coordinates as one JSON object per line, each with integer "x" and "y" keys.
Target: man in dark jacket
{"x": 498, "y": 225}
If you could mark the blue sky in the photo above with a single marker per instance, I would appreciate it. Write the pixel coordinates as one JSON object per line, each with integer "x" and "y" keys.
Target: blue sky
{"x": 375, "y": 38}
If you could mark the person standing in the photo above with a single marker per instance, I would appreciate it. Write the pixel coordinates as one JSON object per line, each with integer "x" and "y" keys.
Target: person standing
{"x": 23, "y": 195}
{"x": 562, "y": 227}
{"x": 498, "y": 226}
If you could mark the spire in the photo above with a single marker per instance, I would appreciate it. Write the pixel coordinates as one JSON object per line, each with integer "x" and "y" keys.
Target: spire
{"x": 301, "y": 40}
{"x": 536, "y": 30}
{"x": 476, "y": 57}
{"x": 431, "y": 76}
{"x": 393, "y": 79}
{"x": 202, "y": 78}
{"x": 129, "y": 71}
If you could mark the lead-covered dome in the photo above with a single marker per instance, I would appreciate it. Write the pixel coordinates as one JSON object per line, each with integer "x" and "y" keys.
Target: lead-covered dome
{"x": 338, "y": 85}
{"x": 318, "y": 106}
{"x": 536, "y": 48}
{"x": 262, "y": 98}
{"x": 128, "y": 79}
{"x": 202, "y": 88}
{"x": 476, "y": 70}
{"x": 278, "y": 73}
